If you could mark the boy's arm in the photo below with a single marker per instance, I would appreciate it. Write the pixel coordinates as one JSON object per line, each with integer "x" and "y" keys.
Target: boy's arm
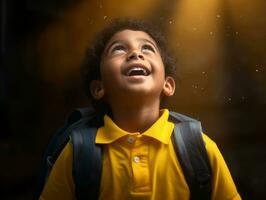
{"x": 223, "y": 187}
{"x": 60, "y": 183}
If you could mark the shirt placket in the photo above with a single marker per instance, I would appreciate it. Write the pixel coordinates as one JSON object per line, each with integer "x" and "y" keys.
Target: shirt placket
{"x": 139, "y": 164}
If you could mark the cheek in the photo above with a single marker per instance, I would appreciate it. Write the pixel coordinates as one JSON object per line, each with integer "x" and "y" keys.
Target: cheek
{"x": 110, "y": 66}
{"x": 159, "y": 65}
{"x": 109, "y": 72}
{"x": 157, "y": 61}
{"x": 162, "y": 68}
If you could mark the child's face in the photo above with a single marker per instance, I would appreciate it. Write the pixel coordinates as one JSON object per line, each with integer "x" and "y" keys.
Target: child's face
{"x": 132, "y": 65}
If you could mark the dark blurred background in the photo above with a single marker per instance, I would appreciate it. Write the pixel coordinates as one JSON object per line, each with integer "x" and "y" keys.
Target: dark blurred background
{"x": 220, "y": 47}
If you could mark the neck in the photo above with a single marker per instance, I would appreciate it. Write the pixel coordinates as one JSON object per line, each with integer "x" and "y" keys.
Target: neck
{"x": 136, "y": 118}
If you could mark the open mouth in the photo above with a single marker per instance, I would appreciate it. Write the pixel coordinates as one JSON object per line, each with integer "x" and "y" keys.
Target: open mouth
{"x": 137, "y": 70}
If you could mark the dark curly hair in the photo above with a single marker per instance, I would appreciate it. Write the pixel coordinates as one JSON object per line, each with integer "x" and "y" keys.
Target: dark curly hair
{"x": 90, "y": 69}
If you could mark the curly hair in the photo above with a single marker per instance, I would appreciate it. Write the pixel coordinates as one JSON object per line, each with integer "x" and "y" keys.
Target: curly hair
{"x": 90, "y": 69}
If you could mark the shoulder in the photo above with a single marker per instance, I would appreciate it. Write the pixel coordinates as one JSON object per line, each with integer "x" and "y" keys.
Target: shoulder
{"x": 60, "y": 184}
{"x": 209, "y": 143}
{"x": 213, "y": 151}
{"x": 64, "y": 160}
{"x": 223, "y": 186}
{"x": 67, "y": 152}
{"x": 63, "y": 164}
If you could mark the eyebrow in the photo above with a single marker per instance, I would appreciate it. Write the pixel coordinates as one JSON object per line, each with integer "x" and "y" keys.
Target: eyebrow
{"x": 110, "y": 45}
{"x": 139, "y": 39}
{"x": 149, "y": 41}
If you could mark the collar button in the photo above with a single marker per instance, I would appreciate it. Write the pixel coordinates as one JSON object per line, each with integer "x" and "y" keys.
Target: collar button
{"x": 131, "y": 139}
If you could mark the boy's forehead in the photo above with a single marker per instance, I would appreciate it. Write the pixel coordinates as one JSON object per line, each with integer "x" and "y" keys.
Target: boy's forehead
{"x": 130, "y": 35}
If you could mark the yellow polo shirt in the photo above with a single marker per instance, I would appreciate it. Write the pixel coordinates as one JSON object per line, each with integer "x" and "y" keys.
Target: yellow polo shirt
{"x": 139, "y": 166}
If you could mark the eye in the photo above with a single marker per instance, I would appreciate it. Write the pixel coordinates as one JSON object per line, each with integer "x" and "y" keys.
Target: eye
{"x": 117, "y": 49}
{"x": 148, "y": 48}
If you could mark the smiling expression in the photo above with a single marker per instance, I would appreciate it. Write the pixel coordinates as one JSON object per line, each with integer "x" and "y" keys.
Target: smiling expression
{"x": 131, "y": 64}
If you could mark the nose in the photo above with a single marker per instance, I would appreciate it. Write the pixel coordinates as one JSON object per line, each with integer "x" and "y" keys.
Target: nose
{"x": 135, "y": 55}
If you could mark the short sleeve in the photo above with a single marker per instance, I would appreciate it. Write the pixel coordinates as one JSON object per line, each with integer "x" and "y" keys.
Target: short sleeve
{"x": 60, "y": 182}
{"x": 223, "y": 187}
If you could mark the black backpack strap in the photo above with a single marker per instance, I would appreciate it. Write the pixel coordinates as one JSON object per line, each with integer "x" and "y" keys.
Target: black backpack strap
{"x": 61, "y": 138}
{"x": 80, "y": 113}
{"x": 188, "y": 144}
{"x": 87, "y": 163}
{"x": 53, "y": 150}
{"x": 190, "y": 148}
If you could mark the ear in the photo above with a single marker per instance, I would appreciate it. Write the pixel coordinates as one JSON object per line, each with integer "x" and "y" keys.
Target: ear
{"x": 97, "y": 89}
{"x": 169, "y": 86}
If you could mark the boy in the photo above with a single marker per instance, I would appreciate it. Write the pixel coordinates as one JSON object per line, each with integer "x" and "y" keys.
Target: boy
{"x": 127, "y": 75}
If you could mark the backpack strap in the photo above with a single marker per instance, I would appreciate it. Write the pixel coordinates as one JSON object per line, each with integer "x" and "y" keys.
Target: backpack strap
{"x": 56, "y": 145}
{"x": 80, "y": 113}
{"x": 87, "y": 163}
{"x": 188, "y": 144}
{"x": 61, "y": 138}
{"x": 192, "y": 155}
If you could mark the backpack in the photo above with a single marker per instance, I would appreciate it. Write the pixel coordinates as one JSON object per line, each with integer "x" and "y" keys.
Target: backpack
{"x": 81, "y": 126}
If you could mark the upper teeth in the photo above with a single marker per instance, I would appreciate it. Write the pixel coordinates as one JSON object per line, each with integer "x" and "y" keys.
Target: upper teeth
{"x": 137, "y": 69}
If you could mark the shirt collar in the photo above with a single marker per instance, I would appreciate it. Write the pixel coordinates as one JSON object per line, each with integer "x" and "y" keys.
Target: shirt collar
{"x": 161, "y": 130}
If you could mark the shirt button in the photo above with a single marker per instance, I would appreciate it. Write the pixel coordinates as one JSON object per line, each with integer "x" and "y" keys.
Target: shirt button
{"x": 136, "y": 159}
{"x": 131, "y": 139}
